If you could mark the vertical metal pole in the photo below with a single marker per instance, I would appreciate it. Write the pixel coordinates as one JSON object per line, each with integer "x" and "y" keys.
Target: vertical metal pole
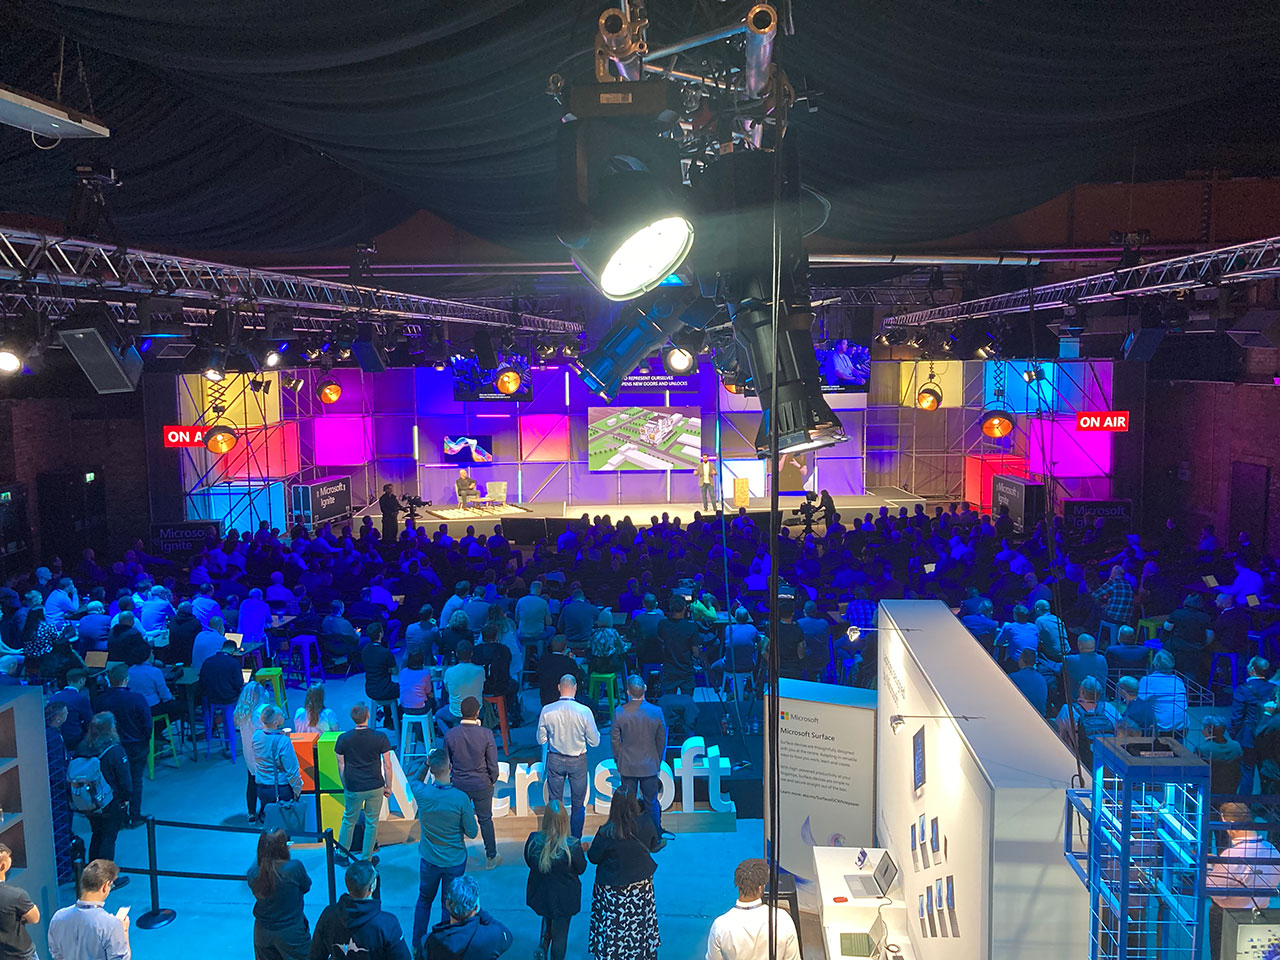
{"x": 330, "y": 866}
{"x": 156, "y": 916}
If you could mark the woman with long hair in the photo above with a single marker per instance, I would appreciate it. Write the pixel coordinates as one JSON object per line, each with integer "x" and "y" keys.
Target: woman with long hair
{"x": 253, "y": 697}
{"x": 554, "y": 891}
{"x": 278, "y": 884}
{"x": 313, "y": 716}
{"x": 624, "y": 919}
{"x": 102, "y": 741}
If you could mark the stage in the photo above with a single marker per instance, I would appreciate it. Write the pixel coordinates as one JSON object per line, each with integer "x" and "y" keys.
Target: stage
{"x": 551, "y": 516}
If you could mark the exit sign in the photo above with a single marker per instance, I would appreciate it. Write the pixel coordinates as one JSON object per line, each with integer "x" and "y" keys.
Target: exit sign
{"x": 1111, "y": 421}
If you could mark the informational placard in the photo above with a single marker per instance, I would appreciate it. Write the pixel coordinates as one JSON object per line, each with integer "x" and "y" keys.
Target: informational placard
{"x": 176, "y": 435}
{"x": 180, "y": 539}
{"x": 826, "y": 753}
{"x": 741, "y": 491}
{"x": 1024, "y": 498}
{"x": 1080, "y": 515}
{"x": 652, "y": 375}
{"x": 325, "y": 499}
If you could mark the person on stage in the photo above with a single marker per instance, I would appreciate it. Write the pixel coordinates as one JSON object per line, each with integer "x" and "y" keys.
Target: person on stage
{"x": 465, "y": 486}
{"x": 707, "y": 480}
{"x": 389, "y": 504}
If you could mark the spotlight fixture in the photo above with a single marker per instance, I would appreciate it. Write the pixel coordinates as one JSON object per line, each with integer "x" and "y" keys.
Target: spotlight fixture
{"x": 997, "y": 423}
{"x": 220, "y": 440}
{"x": 570, "y": 349}
{"x": 328, "y": 391}
{"x": 215, "y": 370}
{"x": 544, "y": 350}
{"x": 272, "y": 356}
{"x": 507, "y": 380}
{"x": 635, "y": 336}
{"x": 930, "y": 395}
{"x": 291, "y": 384}
{"x": 441, "y": 363}
{"x": 311, "y": 353}
{"x": 260, "y": 386}
{"x": 678, "y": 360}
{"x": 1033, "y": 373}
{"x": 344, "y": 353}
{"x": 14, "y": 352}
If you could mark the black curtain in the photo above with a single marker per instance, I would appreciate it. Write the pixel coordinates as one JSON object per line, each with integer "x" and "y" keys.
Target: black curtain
{"x": 257, "y": 123}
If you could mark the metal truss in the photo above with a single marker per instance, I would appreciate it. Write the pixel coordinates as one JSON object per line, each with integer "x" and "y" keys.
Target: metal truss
{"x": 1239, "y": 264}
{"x": 890, "y": 296}
{"x": 56, "y": 273}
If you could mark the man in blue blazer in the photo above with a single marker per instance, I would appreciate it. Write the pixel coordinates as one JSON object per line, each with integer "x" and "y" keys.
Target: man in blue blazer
{"x": 639, "y": 740}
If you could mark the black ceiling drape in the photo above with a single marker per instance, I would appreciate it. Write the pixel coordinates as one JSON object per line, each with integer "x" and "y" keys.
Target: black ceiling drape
{"x": 935, "y": 117}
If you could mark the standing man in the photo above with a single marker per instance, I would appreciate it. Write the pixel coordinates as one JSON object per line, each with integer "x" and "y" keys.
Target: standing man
{"x": 16, "y": 911}
{"x": 364, "y": 767}
{"x": 639, "y": 741}
{"x": 389, "y": 504}
{"x": 743, "y": 932}
{"x": 85, "y": 929}
{"x": 707, "y": 480}
{"x": 357, "y": 926}
{"x": 1246, "y": 716}
{"x": 447, "y": 820}
{"x": 133, "y": 723}
{"x": 679, "y": 636}
{"x": 567, "y": 728}
{"x": 470, "y": 932}
{"x": 473, "y": 758}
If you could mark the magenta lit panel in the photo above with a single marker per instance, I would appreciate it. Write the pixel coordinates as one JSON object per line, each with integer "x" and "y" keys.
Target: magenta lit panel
{"x": 1054, "y": 446}
{"x": 343, "y": 441}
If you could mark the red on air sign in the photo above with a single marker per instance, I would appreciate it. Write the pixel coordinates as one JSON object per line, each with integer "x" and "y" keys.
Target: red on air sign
{"x": 184, "y": 436}
{"x": 1111, "y": 421}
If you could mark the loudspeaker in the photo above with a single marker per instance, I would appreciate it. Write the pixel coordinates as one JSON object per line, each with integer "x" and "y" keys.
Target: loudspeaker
{"x": 1140, "y": 346}
{"x": 524, "y": 530}
{"x": 556, "y": 526}
{"x": 485, "y": 353}
{"x": 112, "y": 363}
{"x": 367, "y": 349}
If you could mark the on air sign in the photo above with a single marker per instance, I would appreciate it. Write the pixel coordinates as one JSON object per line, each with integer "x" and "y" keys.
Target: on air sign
{"x": 184, "y": 436}
{"x": 1112, "y": 421}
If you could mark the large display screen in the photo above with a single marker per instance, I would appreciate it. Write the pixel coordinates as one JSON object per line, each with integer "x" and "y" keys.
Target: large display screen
{"x": 845, "y": 366}
{"x": 469, "y": 449}
{"x": 510, "y": 380}
{"x": 643, "y": 438}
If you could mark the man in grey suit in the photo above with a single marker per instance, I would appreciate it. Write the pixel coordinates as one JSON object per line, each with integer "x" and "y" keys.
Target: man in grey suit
{"x": 639, "y": 740}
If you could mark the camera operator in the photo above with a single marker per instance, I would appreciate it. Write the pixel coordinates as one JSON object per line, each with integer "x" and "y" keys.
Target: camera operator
{"x": 390, "y": 506}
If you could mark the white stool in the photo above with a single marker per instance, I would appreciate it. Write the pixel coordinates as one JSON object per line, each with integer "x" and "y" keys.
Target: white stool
{"x": 424, "y": 722}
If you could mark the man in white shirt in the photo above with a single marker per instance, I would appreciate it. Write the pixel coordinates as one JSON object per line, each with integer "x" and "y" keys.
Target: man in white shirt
{"x": 1167, "y": 693}
{"x": 743, "y": 932}
{"x": 1247, "y": 845}
{"x": 567, "y": 728}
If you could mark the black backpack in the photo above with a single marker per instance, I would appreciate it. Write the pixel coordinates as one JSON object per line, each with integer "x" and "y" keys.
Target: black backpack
{"x": 1090, "y": 726}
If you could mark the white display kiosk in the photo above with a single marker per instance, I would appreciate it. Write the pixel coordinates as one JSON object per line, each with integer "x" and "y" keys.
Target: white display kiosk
{"x": 971, "y": 811}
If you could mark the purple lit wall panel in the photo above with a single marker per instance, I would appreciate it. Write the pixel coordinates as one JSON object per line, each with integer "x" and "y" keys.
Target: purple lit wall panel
{"x": 842, "y": 476}
{"x": 588, "y": 487}
{"x": 393, "y": 436}
{"x": 1056, "y": 447}
{"x": 436, "y": 483}
{"x": 685, "y": 487}
{"x": 341, "y": 440}
{"x": 643, "y": 487}
{"x": 484, "y": 474}
{"x": 548, "y": 390}
{"x": 434, "y": 392}
{"x": 545, "y": 482}
{"x": 353, "y": 399}
{"x": 393, "y": 391}
{"x": 1084, "y": 386}
{"x": 544, "y": 437}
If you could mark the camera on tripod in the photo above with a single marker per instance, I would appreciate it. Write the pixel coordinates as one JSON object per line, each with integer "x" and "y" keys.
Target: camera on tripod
{"x": 417, "y": 502}
{"x": 809, "y": 509}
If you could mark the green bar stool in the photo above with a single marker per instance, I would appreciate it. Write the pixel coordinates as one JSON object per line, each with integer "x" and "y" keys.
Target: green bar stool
{"x": 275, "y": 677}
{"x": 170, "y": 730}
{"x": 606, "y": 681}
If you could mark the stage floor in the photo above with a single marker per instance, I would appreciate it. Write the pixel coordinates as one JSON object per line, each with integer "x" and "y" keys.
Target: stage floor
{"x": 458, "y": 519}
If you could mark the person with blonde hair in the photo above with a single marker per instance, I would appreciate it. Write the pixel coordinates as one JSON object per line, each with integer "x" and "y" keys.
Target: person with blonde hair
{"x": 253, "y": 697}
{"x": 554, "y": 891}
{"x": 313, "y": 716}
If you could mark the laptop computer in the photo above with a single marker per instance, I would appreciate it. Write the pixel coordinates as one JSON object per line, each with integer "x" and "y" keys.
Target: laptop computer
{"x": 875, "y": 882}
{"x": 1210, "y": 581}
{"x": 869, "y": 944}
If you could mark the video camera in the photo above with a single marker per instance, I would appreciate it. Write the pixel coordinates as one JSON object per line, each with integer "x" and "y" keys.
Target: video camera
{"x": 809, "y": 508}
{"x": 417, "y": 502}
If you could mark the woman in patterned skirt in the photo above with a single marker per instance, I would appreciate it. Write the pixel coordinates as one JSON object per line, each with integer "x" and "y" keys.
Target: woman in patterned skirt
{"x": 624, "y": 920}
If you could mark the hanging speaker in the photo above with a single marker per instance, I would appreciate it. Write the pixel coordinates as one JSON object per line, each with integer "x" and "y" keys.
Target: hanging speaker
{"x": 108, "y": 359}
{"x": 368, "y": 350}
{"x": 485, "y": 353}
{"x": 1141, "y": 345}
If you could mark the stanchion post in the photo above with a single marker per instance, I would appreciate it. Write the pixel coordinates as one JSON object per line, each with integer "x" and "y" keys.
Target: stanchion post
{"x": 156, "y": 916}
{"x": 329, "y": 865}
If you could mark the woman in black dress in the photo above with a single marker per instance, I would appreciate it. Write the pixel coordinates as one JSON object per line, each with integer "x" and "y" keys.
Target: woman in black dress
{"x": 554, "y": 892}
{"x": 280, "y": 930}
{"x": 624, "y": 919}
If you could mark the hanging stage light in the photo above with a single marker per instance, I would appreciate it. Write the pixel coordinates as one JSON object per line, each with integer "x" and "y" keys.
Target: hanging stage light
{"x": 678, "y": 360}
{"x": 14, "y": 352}
{"x": 311, "y": 353}
{"x": 570, "y": 349}
{"x": 220, "y": 440}
{"x": 328, "y": 391}
{"x": 291, "y": 384}
{"x": 507, "y": 380}
{"x": 544, "y": 350}
{"x": 998, "y": 424}
{"x": 272, "y": 356}
{"x": 215, "y": 370}
{"x": 930, "y": 395}
{"x": 635, "y": 335}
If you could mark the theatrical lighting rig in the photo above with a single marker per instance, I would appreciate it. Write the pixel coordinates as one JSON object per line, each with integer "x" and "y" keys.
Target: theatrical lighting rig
{"x": 328, "y": 391}
{"x": 220, "y": 440}
{"x": 642, "y": 328}
{"x": 215, "y": 369}
{"x": 291, "y": 384}
{"x": 930, "y": 396}
{"x": 507, "y": 379}
{"x": 998, "y": 421}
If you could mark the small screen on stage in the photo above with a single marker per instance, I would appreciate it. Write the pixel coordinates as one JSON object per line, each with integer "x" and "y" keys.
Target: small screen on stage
{"x": 477, "y": 448}
{"x": 643, "y": 438}
{"x": 845, "y": 366}
{"x": 509, "y": 381}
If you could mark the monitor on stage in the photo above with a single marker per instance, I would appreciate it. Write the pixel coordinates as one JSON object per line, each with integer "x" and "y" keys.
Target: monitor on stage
{"x": 621, "y": 439}
{"x": 509, "y": 381}
{"x": 477, "y": 448}
{"x": 845, "y": 366}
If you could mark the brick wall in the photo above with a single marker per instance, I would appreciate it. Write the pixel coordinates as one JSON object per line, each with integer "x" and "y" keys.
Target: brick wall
{"x": 1194, "y": 432}
{"x": 44, "y": 435}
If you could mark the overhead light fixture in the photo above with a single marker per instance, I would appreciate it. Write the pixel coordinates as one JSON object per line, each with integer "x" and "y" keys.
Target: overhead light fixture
{"x": 311, "y": 353}
{"x": 291, "y": 384}
{"x": 544, "y": 350}
{"x": 440, "y": 363}
{"x": 273, "y": 356}
{"x": 678, "y": 360}
{"x": 507, "y": 380}
{"x": 14, "y": 352}
{"x": 220, "y": 440}
{"x": 1033, "y": 373}
{"x": 215, "y": 370}
{"x": 260, "y": 386}
{"x": 570, "y": 349}
{"x": 328, "y": 391}
{"x": 998, "y": 423}
{"x": 929, "y": 396}
{"x": 637, "y": 333}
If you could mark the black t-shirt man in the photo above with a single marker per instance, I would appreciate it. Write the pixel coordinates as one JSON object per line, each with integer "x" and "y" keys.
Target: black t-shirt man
{"x": 679, "y": 638}
{"x": 379, "y": 664}
{"x": 361, "y": 750}
{"x": 15, "y": 942}
{"x": 551, "y": 668}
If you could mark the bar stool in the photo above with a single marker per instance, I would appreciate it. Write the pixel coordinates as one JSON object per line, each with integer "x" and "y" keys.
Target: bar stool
{"x": 228, "y": 726}
{"x": 500, "y": 705}
{"x": 787, "y": 894}
{"x": 393, "y": 711}
{"x": 170, "y": 731}
{"x": 735, "y": 683}
{"x": 1233, "y": 660}
{"x": 608, "y": 682}
{"x": 424, "y": 722}
{"x": 274, "y": 676}
{"x": 308, "y": 647}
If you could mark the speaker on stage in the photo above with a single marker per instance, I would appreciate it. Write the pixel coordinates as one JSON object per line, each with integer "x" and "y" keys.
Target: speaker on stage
{"x": 526, "y": 530}
{"x": 1141, "y": 344}
{"x": 556, "y": 526}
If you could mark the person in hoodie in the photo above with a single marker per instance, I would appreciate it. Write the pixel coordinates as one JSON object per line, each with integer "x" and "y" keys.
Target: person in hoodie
{"x": 356, "y": 927}
{"x": 470, "y": 933}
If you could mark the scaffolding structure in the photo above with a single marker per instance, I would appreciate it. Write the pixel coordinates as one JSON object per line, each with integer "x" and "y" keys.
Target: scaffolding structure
{"x": 1146, "y": 820}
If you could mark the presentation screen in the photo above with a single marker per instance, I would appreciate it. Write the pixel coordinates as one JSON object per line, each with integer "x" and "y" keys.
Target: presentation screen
{"x": 509, "y": 381}
{"x": 472, "y": 449}
{"x": 845, "y": 366}
{"x": 643, "y": 438}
